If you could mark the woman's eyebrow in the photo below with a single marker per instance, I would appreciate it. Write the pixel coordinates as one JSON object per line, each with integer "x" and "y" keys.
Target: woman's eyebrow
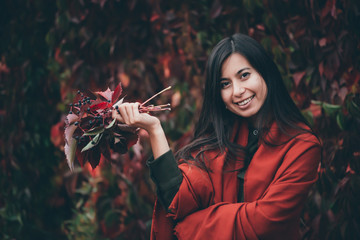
{"x": 238, "y": 73}
{"x": 241, "y": 70}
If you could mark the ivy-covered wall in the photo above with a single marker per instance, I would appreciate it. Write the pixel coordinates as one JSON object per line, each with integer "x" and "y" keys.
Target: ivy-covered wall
{"x": 50, "y": 49}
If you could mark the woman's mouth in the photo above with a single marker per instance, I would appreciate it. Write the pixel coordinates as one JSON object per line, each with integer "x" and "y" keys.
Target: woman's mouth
{"x": 244, "y": 102}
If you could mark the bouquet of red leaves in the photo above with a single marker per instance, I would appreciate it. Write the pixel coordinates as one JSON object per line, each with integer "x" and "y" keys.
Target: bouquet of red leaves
{"x": 90, "y": 130}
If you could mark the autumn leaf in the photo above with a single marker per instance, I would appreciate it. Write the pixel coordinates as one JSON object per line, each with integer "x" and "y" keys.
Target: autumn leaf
{"x": 107, "y": 94}
{"x": 70, "y": 150}
{"x": 70, "y": 145}
{"x": 93, "y": 142}
{"x": 71, "y": 118}
{"x": 102, "y": 105}
{"x": 298, "y": 76}
{"x": 117, "y": 93}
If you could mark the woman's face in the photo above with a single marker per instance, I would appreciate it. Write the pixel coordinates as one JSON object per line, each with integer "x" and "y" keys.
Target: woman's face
{"x": 243, "y": 89}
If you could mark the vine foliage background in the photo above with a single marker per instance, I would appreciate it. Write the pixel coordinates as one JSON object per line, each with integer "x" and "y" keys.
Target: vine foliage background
{"x": 49, "y": 49}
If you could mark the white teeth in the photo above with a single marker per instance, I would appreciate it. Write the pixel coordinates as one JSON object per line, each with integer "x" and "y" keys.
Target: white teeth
{"x": 246, "y": 101}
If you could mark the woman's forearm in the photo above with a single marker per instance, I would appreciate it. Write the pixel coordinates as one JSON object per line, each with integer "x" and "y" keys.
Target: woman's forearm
{"x": 158, "y": 141}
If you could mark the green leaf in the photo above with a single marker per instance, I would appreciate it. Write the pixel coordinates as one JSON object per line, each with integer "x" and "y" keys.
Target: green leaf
{"x": 93, "y": 142}
{"x": 251, "y": 5}
{"x": 110, "y": 217}
{"x": 331, "y": 109}
{"x": 317, "y": 102}
{"x": 309, "y": 117}
{"x": 340, "y": 120}
{"x": 354, "y": 109}
{"x": 94, "y": 131}
{"x": 50, "y": 38}
{"x": 111, "y": 124}
{"x": 79, "y": 203}
{"x": 84, "y": 190}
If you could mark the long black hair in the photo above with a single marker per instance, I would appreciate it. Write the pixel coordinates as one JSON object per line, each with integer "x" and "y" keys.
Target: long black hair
{"x": 215, "y": 124}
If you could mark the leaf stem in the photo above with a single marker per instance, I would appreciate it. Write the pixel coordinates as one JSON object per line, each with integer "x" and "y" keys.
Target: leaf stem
{"x": 156, "y": 95}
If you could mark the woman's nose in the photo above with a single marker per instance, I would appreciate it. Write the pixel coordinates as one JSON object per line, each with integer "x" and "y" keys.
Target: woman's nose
{"x": 238, "y": 90}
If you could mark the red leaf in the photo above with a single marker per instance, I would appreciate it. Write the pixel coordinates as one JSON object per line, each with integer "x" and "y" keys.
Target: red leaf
{"x": 116, "y": 94}
{"x": 315, "y": 110}
{"x": 132, "y": 139}
{"x": 124, "y": 127}
{"x": 260, "y": 27}
{"x": 297, "y": 77}
{"x": 215, "y": 9}
{"x": 331, "y": 65}
{"x": 102, "y": 105}
{"x": 322, "y": 42}
{"x": 328, "y": 7}
{"x": 321, "y": 68}
{"x": 120, "y": 145}
{"x": 333, "y": 10}
{"x": 71, "y": 118}
{"x": 81, "y": 157}
{"x": 57, "y": 133}
{"x": 105, "y": 151}
{"x": 94, "y": 157}
{"x": 342, "y": 93}
{"x": 4, "y": 68}
{"x": 349, "y": 170}
{"x": 106, "y": 94}
{"x": 154, "y": 17}
{"x": 100, "y": 2}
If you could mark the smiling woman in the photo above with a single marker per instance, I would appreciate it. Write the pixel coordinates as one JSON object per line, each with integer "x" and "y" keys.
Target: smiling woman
{"x": 251, "y": 163}
{"x": 243, "y": 90}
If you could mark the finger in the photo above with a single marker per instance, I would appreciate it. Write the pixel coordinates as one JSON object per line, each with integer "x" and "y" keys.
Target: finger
{"x": 123, "y": 112}
{"x": 136, "y": 111}
{"x": 116, "y": 115}
{"x": 130, "y": 113}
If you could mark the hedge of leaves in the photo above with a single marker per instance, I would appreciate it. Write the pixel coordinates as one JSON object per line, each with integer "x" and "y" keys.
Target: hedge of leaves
{"x": 49, "y": 49}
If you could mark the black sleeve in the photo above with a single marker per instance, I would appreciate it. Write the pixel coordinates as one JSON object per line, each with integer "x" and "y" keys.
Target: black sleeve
{"x": 166, "y": 175}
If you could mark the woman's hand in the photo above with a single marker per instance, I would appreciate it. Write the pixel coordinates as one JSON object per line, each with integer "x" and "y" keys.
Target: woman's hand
{"x": 129, "y": 114}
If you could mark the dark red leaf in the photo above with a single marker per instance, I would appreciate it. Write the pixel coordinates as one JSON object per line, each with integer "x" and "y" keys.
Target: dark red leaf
{"x": 328, "y": 7}
{"x": 298, "y": 76}
{"x": 116, "y": 94}
{"x": 57, "y": 133}
{"x": 94, "y": 157}
{"x": 120, "y": 146}
{"x": 102, "y": 105}
{"x": 81, "y": 157}
{"x": 105, "y": 150}
{"x": 322, "y": 42}
{"x": 315, "y": 110}
{"x": 216, "y": 9}
{"x": 131, "y": 138}
{"x": 124, "y": 127}
{"x": 321, "y": 68}
{"x": 154, "y": 17}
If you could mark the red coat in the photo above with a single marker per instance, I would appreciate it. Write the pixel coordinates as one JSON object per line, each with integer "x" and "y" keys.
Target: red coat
{"x": 276, "y": 186}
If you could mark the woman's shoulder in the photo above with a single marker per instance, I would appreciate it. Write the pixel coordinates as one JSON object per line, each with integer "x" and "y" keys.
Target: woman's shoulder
{"x": 298, "y": 132}
{"x": 305, "y": 133}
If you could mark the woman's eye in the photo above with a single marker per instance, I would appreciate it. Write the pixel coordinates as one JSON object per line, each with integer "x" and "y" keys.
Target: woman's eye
{"x": 224, "y": 84}
{"x": 245, "y": 75}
